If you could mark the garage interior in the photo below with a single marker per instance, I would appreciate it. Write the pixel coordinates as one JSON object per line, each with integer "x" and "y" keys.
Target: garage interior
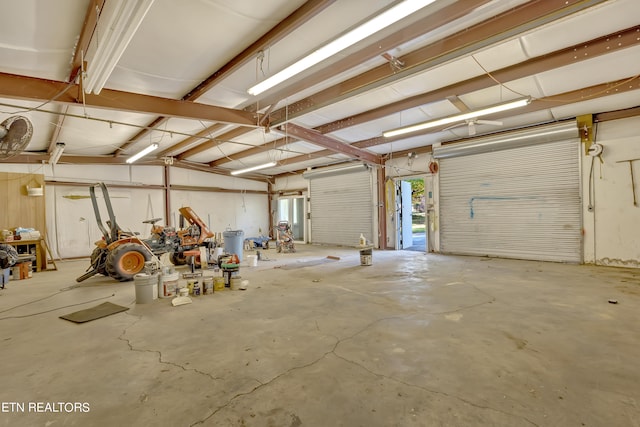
{"x": 516, "y": 306}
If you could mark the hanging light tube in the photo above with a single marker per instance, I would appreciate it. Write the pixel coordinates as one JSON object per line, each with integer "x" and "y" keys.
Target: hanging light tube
{"x": 521, "y": 102}
{"x": 142, "y": 153}
{"x": 118, "y": 22}
{"x": 56, "y": 153}
{"x": 379, "y": 22}
{"x": 253, "y": 168}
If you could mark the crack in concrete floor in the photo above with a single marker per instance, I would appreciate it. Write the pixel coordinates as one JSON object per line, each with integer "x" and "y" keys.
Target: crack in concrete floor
{"x": 377, "y": 374}
{"x": 121, "y": 337}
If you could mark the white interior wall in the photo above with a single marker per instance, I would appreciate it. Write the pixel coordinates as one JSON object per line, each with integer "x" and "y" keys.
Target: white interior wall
{"x": 290, "y": 183}
{"x": 71, "y": 224}
{"x": 612, "y": 231}
{"x": 222, "y": 211}
{"x": 181, "y": 176}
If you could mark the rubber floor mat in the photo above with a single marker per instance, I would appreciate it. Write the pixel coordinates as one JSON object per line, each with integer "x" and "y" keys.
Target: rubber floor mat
{"x": 89, "y": 314}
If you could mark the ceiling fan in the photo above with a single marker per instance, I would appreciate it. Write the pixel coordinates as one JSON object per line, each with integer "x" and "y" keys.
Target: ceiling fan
{"x": 15, "y": 134}
{"x": 471, "y": 124}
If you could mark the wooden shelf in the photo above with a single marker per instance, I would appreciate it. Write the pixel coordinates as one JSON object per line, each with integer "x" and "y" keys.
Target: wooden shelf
{"x": 25, "y": 246}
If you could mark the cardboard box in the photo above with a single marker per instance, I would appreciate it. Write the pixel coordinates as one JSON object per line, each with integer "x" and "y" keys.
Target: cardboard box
{"x": 25, "y": 269}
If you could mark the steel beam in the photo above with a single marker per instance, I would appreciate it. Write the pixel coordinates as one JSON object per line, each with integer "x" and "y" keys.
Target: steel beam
{"x": 31, "y": 88}
{"x": 587, "y": 50}
{"x": 296, "y": 19}
{"x": 332, "y": 144}
{"x": 592, "y": 92}
{"x": 489, "y": 32}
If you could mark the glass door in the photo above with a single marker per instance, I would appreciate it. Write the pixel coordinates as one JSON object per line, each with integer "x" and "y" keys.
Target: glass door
{"x": 292, "y": 209}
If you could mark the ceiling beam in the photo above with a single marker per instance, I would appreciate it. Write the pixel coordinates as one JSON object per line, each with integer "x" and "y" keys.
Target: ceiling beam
{"x": 31, "y": 88}
{"x": 88, "y": 28}
{"x": 225, "y": 137}
{"x": 488, "y": 32}
{"x": 332, "y": 144}
{"x": 295, "y": 20}
{"x": 503, "y": 27}
{"x": 285, "y": 27}
{"x": 429, "y": 23}
{"x": 441, "y": 17}
{"x": 204, "y": 133}
{"x": 571, "y": 55}
{"x": 579, "y": 95}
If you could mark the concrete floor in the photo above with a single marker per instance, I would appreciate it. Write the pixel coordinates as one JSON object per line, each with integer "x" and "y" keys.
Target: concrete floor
{"x": 413, "y": 340}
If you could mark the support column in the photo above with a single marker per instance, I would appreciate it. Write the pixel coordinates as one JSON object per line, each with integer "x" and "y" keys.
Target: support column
{"x": 382, "y": 209}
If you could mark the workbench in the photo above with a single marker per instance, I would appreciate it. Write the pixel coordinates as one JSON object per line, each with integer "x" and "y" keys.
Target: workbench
{"x": 25, "y": 246}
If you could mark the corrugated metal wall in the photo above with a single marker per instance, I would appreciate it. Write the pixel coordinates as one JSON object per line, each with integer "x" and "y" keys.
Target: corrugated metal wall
{"x": 341, "y": 208}
{"x": 518, "y": 203}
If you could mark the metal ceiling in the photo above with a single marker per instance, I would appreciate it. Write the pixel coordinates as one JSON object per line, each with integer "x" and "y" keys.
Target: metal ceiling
{"x": 181, "y": 81}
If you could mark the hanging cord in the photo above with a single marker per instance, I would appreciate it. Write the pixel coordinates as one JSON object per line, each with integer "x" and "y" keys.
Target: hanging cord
{"x": 502, "y": 85}
{"x": 53, "y": 309}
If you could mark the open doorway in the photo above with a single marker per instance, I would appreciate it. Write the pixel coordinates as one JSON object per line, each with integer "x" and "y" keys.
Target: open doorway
{"x": 411, "y": 230}
{"x": 292, "y": 209}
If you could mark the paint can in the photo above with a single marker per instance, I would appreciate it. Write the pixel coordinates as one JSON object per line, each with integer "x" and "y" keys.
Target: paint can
{"x": 252, "y": 260}
{"x": 146, "y": 288}
{"x": 366, "y": 256}
{"x": 234, "y": 283}
{"x": 218, "y": 283}
{"x": 207, "y": 285}
{"x": 197, "y": 290}
{"x": 168, "y": 285}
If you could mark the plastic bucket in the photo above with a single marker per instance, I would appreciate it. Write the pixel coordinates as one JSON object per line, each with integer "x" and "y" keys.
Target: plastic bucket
{"x": 218, "y": 283}
{"x": 234, "y": 283}
{"x": 233, "y": 242}
{"x": 168, "y": 285}
{"x": 252, "y": 260}
{"x": 146, "y": 288}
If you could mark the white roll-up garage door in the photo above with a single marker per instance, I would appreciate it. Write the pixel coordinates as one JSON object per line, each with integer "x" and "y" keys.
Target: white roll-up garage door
{"x": 520, "y": 202}
{"x": 341, "y": 206}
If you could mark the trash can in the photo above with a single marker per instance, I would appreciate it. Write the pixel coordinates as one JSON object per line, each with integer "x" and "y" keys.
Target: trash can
{"x": 234, "y": 242}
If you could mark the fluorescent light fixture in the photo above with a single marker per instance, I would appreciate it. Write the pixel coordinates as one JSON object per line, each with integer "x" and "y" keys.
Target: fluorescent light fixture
{"x": 385, "y": 19}
{"x": 56, "y": 153}
{"x": 142, "y": 153}
{"x": 521, "y": 102}
{"x": 253, "y": 168}
{"x": 118, "y": 22}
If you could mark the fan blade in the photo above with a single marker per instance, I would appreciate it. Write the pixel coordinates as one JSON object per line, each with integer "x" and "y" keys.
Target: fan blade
{"x": 19, "y": 131}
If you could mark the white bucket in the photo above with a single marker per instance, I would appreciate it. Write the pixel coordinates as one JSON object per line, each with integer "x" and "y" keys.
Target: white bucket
{"x": 252, "y": 260}
{"x": 168, "y": 285}
{"x": 146, "y": 288}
